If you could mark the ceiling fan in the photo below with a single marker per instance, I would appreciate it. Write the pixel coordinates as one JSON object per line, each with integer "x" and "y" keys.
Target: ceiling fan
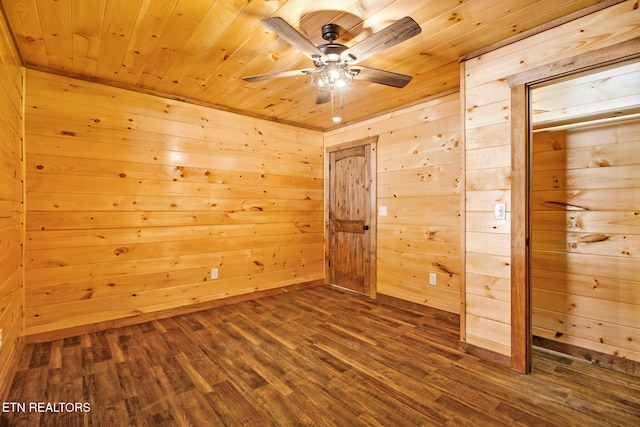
{"x": 334, "y": 63}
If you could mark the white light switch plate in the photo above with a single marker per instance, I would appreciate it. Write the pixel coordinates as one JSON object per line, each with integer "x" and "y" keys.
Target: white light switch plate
{"x": 382, "y": 210}
{"x": 500, "y": 211}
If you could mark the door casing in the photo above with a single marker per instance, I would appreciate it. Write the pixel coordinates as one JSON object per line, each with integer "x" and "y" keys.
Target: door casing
{"x": 521, "y": 345}
{"x": 370, "y": 144}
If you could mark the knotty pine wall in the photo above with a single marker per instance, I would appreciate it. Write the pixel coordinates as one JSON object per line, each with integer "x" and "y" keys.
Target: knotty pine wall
{"x": 133, "y": 199}
{"x": 488, "y": 158}
{"x": 418, "y": 178}
{"x": 11, "y": 200}
{"x": 585, "y": 237}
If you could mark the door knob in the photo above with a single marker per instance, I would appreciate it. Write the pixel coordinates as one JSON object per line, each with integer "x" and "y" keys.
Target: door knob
{"x": 365, "y": 228}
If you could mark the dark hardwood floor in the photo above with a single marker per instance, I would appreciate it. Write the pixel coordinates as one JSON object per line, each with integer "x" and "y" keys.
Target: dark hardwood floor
{"x": 318, "y": 356}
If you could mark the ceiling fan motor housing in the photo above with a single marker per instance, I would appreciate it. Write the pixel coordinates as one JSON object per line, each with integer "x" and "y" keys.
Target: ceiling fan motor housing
{"x": 330, "y": 32}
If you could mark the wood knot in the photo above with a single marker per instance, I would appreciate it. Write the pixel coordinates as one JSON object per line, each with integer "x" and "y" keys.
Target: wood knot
{"x": 121, "y": 250}
{"x": 593, "y": 238}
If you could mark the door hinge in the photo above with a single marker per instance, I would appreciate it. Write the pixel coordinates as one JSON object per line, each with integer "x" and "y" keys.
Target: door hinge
{"x": 329, "y": 263}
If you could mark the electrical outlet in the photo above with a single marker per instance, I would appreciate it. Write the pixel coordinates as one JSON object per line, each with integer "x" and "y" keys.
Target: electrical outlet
{"x": 214, "y": 273}
{"x": 432, "y": 279}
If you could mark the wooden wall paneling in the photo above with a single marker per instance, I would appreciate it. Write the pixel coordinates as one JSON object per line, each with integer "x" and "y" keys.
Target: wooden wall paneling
{"x": 487, "y": 175}
{"x": 135, "y": 198}
{"x": 431, "y": 110}
{"x": 511, "y": 60}
{"x": 488, "y": 122}
{"x": 577, "y": 299}
{"x": 418, "y": 181}
{"x": 610, "y": 90}
{"x": 11, "y": 206}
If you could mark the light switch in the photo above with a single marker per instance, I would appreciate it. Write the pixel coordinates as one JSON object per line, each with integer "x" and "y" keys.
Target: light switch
{"x": 500, "y": 211}
{"x": 382, "y": 210}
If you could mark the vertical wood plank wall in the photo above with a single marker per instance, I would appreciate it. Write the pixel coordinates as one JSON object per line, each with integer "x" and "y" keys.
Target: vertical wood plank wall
{"x": 418, "y": 180}
{"x": 11, "y": 200}
{"x": 488, "y": 165}
{"x": 133, "y": 199}
{"x": 585, "y": 234}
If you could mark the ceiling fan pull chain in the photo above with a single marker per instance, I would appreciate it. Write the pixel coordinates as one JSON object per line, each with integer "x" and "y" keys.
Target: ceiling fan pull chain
{"x": 335, "y": 118}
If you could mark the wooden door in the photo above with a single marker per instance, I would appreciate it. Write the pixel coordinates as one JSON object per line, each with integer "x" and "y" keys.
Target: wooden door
{"x": 351, "y": 252}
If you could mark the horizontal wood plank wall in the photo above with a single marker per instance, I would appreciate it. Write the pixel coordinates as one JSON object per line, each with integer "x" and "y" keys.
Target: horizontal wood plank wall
{"x": 133, "y": 199}
{"x": 488, "y": 164}
{"x": 418, "y": 176}
{"x": 585, "y": 237}
{"x": 11, "y": 202}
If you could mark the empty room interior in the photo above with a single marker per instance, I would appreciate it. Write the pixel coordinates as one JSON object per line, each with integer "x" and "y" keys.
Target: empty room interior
{"x": 295, "y": 212}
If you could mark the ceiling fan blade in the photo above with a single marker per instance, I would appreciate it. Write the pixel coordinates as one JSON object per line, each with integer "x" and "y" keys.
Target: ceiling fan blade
{"x": 395, "y": 33}
{"x": 293, "y": 37}
{"x": 380, "y": 76}
{"x": 278, "y": 74}
{"x": 323, "y": 97}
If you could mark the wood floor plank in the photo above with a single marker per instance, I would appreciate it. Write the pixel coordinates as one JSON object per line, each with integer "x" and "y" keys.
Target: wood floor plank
{"x": 312, "y": 357}
{"x": 281, "y": 408}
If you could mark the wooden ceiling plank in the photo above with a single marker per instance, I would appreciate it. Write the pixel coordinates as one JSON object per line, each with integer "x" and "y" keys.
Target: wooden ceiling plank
{"x": 195, "y": 53}
{"x": 284, "y": 86}
{"x": 429, "y": 71}
{"x": 186, "y": 15}
{"x": 119, "y": 20}
{"x": 558, "y": 17}
{"x": 246, "y": 36}
{"x": 86, "y": 27}
{"x": 311, "y": 25}
{"x": 25, "y": 25}
{"x": 198, "y": 79}
{"x": 199, "y": 50}
{"x": 150, "y": 23}
{"x": 55, "y": 20}
{"x": 440, "y": 33}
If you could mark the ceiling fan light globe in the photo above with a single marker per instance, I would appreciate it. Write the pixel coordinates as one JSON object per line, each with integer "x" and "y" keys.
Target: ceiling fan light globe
{"x": 330, "y": 78}
{"x": 334, "y": 73}
{"x": 318, "y": 80}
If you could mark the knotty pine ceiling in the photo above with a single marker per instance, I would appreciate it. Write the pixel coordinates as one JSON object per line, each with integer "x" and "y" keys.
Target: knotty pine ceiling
{"x": 199, "y": 50}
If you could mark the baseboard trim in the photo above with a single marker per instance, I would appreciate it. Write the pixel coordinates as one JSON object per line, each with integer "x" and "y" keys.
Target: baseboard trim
{"x": 486, "y": 355}
{"x": 615, "y": 363}
{"x": 163, "y": 314}
{"x": 437, "y": 313}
